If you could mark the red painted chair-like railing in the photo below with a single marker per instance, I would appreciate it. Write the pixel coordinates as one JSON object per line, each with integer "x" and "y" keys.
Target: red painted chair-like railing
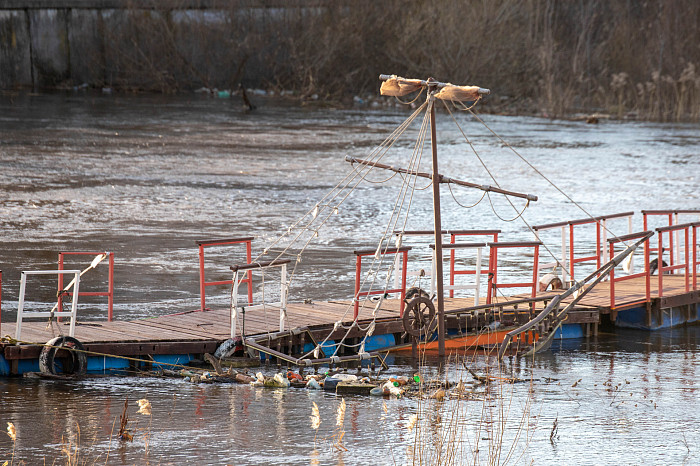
{"x": 110, "y": 281}
{"x": 203, "y": 284}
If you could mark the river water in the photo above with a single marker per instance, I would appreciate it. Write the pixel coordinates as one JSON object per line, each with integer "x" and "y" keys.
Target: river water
{"x": 145, "y": 177}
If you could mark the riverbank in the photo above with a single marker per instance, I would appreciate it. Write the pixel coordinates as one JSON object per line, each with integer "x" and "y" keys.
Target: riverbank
{"x": 539, "y": 57}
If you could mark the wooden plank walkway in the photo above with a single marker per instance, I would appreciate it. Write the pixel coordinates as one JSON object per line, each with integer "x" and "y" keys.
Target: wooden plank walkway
{"x": 213, "y": 326}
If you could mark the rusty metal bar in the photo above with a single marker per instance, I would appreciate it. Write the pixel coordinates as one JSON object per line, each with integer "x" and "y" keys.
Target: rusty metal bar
{"x": 436, "y": 178}
{"x": 442, "y": 179}
{"x": 547, "y": 226}
{"x": 448, "y": 232}
{"x": 256, "y": 265}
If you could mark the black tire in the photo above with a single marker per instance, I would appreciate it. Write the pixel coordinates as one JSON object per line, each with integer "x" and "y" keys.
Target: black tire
{"x": 75, "y": 364}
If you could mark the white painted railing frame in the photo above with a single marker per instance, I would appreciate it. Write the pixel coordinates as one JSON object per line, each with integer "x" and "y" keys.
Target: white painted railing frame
{"x": 476, "y": 286}
{"x": 236, "y": 307}
{"x": 21, "y": 313}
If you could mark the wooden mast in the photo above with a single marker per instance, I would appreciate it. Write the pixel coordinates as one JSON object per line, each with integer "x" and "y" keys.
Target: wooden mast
{"x": 437, "y": 223}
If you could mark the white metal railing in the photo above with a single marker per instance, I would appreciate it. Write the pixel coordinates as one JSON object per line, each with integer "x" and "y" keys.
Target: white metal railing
{"x": 476, "y": 286}
{"x": 21, "y": 313}
{"x": 240, "y": 274}
{"x": 416, "y": 273}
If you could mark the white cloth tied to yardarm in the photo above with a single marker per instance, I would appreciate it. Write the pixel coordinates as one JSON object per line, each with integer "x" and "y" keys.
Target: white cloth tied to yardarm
{"x": 458, "y": 93}
{"x": 399, "y": 87}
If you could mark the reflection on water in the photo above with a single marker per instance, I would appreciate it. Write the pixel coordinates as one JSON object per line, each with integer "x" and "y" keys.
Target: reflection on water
{"x": 626, "y": 398}
{"x": 146, "y": 177}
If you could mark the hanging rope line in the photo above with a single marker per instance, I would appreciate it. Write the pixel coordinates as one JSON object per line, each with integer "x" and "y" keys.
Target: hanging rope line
{"x": 483, "y": 194}
{"x": 520, "y": 214}
{"x": 536, "y": 170}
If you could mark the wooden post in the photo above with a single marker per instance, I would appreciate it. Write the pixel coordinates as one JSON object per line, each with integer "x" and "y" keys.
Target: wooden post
{"x": 438, "y": 229}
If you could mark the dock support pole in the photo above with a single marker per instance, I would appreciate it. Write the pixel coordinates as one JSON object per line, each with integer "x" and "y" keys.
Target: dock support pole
{"x": 438, "y": 228}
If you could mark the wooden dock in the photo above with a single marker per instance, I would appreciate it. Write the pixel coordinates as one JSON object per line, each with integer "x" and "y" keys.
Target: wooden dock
{"x": 199, "y": 332}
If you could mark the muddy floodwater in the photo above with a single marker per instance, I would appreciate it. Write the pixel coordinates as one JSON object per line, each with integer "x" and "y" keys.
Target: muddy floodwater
{"x": 146, "y": 177}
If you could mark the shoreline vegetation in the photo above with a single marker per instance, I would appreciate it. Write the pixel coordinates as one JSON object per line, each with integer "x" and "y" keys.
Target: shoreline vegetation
{"x": 540, "y": 57}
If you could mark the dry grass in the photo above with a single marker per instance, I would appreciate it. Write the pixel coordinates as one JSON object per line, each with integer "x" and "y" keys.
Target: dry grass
{"x": 541, "y": 56}
{"x": 473, "y": 421}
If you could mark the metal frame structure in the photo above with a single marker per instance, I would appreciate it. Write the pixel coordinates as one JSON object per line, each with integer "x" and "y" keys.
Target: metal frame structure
{"x": 403, "y": 250}
{"x": 493, "y": 284}
{"x": 568, "y": 259}
{"x": 237, "y": 280}
{"x": 643, "y": 273}
{"x": 678, "y": 263}
{"x": 74, "y": 307}
{"x": 673, "y": 217}
{"x": 203, "y": 284}
{"x": 110, "y": 281}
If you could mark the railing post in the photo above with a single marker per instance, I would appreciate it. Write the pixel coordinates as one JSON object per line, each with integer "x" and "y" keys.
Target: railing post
{"x": 249, "y": 259}
{"x": 571, "y": 252}
{"x": 477, "y": 289}
{"x": 612, "y": 277}
{"x": 110, "y": 285}
{"x": 283, "y": 295}
{"x": 404, "y": 272}
{"x": 20, "y": 305}
{"x": 493, "y": 270}
{"x": 202, "y": 288}
{"x": 647, "y": 253}
{"x": 452, "y": 267}
{"x": 0, "y": 302}
{"x": 695, "y": 257}
{"x": 535, "y": 271}
{"x": 660, "y": 264}
{"x": 234, "y": 305}
{"x": 60, "y": 283}
{"x": 358, "y": 278}
{"x": 687, "y": 260}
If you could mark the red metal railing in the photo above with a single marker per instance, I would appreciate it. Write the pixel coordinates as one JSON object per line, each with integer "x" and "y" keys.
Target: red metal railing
{"x": 672, "y": 217}
{"x": 358, "y": 276}
{"x": 696, "y": 225}
{"x": 644, "y": 273}
{"x": 679, "y": 263}
{"x": 203, "y": 284}
{"x": 601, "y": 235}
{"x": 453, "y": 240}
{"x": 493, "y": 284}
{"x": 454, "y": 234}
{"x": 110, "y": 281}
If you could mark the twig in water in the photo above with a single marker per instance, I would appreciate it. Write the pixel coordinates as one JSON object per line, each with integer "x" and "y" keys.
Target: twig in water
{"x": 685, "y": 442}
{"x": 123, "y": 421}
{"x": 554, "y": 434}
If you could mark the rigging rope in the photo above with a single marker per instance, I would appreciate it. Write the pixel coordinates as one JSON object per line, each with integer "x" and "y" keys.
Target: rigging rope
{"x": 527, "y": 162}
